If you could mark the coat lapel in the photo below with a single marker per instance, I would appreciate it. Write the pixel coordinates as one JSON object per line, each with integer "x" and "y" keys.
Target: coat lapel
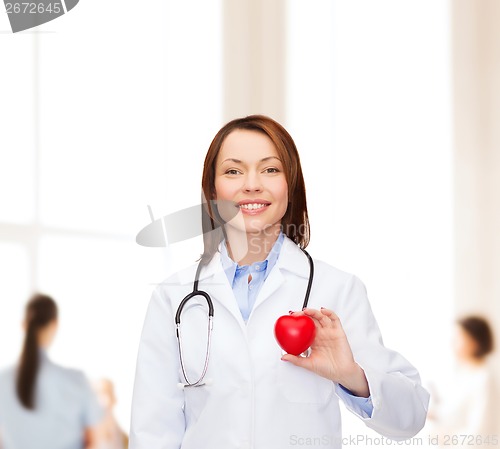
{"x": 220, "y": 290}
{"x": 291, "y": 260}
{"x": 214, "y": 281}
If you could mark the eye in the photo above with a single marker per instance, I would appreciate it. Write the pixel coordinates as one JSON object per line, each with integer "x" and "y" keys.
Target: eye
{"x": 232, "y": 171}
{"x": 272, "y": 170}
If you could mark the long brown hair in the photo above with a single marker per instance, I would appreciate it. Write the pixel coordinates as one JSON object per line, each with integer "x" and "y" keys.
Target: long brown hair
{"x": 295, "y": 222}
{"x": 41, "y": 310}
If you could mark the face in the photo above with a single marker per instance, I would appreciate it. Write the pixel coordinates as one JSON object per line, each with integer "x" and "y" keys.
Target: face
{"x": 464, "y": 345}
{"x": 249, "y": 176}
{"x": 46, "y": 334}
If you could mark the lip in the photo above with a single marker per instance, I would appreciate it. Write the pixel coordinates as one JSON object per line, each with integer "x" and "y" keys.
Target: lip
{"x": 252, "y": 201}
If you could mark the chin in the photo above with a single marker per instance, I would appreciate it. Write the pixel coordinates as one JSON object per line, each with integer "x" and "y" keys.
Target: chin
{"x": 254, "y": 225}
{"x": 246, "y": 229}
{"x": 259, "y": 227}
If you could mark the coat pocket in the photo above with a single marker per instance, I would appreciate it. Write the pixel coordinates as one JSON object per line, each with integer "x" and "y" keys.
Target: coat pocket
{"x": 302, "y": 386}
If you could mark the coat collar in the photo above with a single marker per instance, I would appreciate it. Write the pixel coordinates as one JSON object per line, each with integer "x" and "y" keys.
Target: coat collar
{"x": 213, "y": 278}
{"x": 187, "y": 275}
{"x": 291, "y": 259}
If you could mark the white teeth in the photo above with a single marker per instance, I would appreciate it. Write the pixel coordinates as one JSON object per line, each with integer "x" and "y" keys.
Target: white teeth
{"x": 252, "y": 206}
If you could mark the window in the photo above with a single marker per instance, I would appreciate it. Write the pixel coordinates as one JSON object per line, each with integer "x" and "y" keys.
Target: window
{"x": 97, "y": 124}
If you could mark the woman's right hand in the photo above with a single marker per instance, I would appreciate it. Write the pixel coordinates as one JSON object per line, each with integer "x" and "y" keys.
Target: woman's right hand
{"x": 331, "y": 356}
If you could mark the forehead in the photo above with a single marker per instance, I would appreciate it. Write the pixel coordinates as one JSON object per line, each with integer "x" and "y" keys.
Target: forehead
{"x": 247, "y": 146}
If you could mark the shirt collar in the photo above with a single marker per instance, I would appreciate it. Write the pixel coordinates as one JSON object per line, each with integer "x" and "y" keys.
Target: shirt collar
{"x": 230, "y": 266}
{"x": 42, "y": 354}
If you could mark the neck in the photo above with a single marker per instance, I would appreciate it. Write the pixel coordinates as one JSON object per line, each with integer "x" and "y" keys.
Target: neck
{"x": 246, "y": 248}
{"x": 473, "y": 362}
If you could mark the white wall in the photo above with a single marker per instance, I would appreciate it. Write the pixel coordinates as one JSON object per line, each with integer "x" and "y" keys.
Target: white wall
{"x": 476, "y": 115}
{"x": 369, "y": 104}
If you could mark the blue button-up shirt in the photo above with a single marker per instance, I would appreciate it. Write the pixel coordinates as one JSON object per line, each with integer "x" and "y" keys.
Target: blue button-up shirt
{"x": 246, "y": 292}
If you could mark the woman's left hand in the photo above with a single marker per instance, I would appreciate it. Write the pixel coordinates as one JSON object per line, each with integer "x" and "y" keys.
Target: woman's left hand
{"x": 331, "y": 354}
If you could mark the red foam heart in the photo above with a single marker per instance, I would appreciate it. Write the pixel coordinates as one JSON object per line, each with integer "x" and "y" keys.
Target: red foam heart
{"x": 294, "y": 334}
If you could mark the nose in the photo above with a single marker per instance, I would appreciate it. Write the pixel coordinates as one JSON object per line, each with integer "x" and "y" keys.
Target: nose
{"x": 252, "y": 183}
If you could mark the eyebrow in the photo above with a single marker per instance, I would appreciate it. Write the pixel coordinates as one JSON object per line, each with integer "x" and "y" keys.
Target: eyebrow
{"x": 237, "y": 161}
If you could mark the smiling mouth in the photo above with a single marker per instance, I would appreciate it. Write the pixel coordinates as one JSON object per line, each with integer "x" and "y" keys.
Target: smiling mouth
{"x": 253, "y": 206}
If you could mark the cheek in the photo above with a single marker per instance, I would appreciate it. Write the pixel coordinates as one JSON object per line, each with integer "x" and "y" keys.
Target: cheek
{"x": 222, "y": 190}
{"x": 281, "y": 191}
{"x": 472, "y": 347}
{"x": 464, "y": 345}
{"x": 458, "y": 345}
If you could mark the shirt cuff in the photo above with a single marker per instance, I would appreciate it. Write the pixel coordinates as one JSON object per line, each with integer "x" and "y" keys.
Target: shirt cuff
{"x": 362, "y": 406}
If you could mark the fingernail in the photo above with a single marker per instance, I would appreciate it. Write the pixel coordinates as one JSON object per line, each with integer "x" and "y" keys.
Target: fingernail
{"x": 304, "y": 308}
{"x": 290, "y": 312}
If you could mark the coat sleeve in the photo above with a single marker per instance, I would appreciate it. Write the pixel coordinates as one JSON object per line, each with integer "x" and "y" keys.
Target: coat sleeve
{"x": 399, "y": 401}
{"x": 157, "y": 419}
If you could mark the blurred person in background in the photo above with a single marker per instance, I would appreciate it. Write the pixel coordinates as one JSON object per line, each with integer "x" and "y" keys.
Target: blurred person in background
{"x": 109, "y": 433}
{"x": 43, "y": 405}
{"x": 464, "y": 410}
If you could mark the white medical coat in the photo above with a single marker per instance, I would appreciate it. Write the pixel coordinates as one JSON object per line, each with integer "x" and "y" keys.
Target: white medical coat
{"x": 254, "y": 400}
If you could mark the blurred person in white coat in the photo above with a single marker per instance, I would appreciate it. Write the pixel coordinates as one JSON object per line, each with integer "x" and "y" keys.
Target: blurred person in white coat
{"x": 254, "y": 270}
{"x": 464, "y": 411}
{"x": 44, "y": 405}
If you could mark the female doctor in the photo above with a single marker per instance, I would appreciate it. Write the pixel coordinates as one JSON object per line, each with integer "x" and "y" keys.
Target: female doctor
{"x": 253, "y": 395}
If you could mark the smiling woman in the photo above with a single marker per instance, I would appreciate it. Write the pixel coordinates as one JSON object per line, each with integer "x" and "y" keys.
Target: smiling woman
{"x": 249, "y": 394}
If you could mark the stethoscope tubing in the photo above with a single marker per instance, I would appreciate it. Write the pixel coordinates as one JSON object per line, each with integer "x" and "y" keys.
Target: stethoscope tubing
{"x": 197, "y": 292}
{"x": 311, "y": 276}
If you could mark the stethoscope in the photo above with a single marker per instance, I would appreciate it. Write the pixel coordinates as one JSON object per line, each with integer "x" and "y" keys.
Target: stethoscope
{"x": 197, "y": 292}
